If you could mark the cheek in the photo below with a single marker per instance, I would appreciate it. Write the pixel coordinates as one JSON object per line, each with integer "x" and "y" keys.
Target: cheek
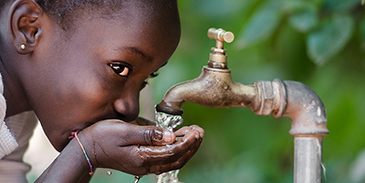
{"x": 79, "y": 103}
{"x": 94, "y": 93}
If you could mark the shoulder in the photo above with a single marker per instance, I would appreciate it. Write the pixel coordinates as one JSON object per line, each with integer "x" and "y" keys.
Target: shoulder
{"x": 7, "y": 140}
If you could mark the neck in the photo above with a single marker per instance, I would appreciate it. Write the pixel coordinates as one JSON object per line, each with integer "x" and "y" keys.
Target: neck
{"x": 14, "y": 94}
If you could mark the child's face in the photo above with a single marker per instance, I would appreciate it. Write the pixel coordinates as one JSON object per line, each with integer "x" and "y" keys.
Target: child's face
{"x": 98, "y": 72}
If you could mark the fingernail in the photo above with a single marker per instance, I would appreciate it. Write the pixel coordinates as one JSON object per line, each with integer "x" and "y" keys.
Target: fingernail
{"x": 159, "y": 135}
{"x": 168, "y": 136}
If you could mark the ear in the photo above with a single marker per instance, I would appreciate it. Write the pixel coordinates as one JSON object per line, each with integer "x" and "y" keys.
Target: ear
{"x": 24, "y": 25}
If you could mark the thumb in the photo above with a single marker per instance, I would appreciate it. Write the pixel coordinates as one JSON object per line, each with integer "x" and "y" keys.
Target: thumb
{"x": 150, "y": 135}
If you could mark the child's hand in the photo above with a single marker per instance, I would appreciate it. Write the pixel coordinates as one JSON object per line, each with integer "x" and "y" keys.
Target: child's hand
{"x": 139, "y": 150}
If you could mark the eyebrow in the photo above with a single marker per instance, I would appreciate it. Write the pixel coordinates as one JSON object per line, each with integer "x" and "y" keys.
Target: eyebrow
{"x": 136, "y": 51}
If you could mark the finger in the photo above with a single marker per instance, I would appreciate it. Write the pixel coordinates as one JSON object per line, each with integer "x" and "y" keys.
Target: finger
{"x": 144, "y": 135}
{"x": 157, "y": 136}
{"x": 152, "y": 155}
{"x": 178, "y": 164}
{"x": 196, "y": 134}
{"x": 183, "y": 131}
{"x": 199, "y": 129}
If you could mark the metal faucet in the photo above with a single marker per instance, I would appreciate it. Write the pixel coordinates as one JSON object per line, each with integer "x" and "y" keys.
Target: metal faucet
{"x": 215, "y": 88}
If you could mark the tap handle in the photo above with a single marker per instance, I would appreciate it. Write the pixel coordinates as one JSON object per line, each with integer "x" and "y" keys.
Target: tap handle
{"x": 220, "y": 35}
{"x": 218, "y": 58}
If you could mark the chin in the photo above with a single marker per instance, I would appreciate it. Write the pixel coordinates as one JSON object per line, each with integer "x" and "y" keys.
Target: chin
{"x": 59, "y": 142}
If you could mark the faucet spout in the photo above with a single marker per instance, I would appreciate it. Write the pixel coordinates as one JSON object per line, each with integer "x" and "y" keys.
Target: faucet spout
{"x": 213, "y": 88}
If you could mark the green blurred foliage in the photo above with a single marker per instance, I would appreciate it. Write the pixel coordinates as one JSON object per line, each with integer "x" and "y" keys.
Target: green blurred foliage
{"x": 317, "y": 42}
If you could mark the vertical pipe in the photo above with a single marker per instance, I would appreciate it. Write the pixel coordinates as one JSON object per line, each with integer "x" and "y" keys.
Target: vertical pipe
{"x": 309, "y": 123}
{"x": 307, "y": 159}
{"x": 215, "y": 88}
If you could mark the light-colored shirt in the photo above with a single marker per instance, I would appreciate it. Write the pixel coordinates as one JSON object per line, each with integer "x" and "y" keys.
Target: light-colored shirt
{"x": 7, "y": 139}
{"x": 15, "y": 132}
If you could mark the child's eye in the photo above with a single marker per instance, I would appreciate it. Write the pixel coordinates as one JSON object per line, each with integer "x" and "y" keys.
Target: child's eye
{"x": 120, "y": 69}
{"x": 145, "y": 82}
{"x": 153, "y": 75}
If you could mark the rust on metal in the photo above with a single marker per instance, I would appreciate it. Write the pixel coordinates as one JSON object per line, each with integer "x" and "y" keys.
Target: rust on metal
{"x": 215, "y": 88}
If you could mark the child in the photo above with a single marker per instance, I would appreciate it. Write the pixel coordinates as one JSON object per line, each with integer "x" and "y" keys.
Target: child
{"x": 80, "y": 65}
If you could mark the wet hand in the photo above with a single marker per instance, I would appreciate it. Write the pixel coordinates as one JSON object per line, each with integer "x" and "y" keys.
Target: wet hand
{"x": 139, "y": 150}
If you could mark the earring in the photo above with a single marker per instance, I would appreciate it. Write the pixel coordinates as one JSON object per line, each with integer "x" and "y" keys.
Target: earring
{"x": 22, "y": 46}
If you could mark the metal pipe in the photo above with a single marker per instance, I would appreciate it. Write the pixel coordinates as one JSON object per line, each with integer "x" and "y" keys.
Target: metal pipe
{"x": 294, "y": 100}
{"x": 307, "y": 160}
{"x": 309, "y": 126}
{"x": 306, "y": 110}
{"x": 215, "y": 88}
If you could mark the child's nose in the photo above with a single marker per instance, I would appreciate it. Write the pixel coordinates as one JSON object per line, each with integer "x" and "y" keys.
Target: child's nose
{"x": 127, "y": 107}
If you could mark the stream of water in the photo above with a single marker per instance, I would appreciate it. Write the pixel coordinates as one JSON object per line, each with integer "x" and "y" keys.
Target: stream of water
{"x": 169, "y": 122}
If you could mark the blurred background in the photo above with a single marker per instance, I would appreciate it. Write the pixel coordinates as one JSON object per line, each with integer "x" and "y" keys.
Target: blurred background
{"x": 320, "y": 43}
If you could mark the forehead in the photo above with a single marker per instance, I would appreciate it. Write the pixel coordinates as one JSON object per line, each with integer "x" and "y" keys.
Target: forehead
{"x": 147, "y": 11}
{"x": 154, "y": 33}
{"x": 140, "y": 21}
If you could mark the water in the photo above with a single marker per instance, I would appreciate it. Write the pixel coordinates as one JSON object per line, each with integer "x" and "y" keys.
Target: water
{"x": 168, "y": 177}
{"x": 169, "y": 122}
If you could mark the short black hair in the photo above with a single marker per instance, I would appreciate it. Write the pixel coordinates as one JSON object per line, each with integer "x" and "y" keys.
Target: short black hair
{"x": 61, "y": 10}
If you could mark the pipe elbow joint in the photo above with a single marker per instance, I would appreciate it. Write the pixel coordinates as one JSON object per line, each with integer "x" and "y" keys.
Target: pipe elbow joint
{"x": 296, "y": 101}
{"x": 306, "y": 110}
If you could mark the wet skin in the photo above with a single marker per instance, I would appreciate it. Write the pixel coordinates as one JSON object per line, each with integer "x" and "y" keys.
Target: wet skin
{"x": 93, "y": 72}
{"x": 70, "y": 82}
